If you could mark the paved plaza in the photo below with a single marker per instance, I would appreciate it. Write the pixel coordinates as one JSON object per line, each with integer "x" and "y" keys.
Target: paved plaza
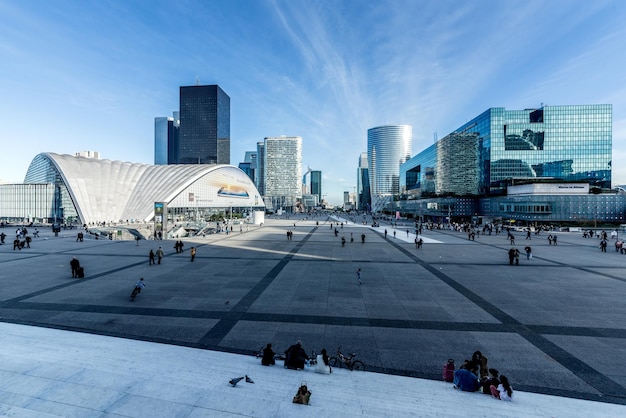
{"x": 553, "y": 325}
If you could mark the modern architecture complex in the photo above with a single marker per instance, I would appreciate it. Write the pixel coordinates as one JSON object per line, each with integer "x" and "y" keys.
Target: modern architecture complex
{"x": 282, "y": 170}
{"x": 83, "y": 190}
{"x": 486, "y": 167}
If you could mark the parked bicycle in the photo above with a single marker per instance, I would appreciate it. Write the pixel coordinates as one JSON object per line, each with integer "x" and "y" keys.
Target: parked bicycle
{"x": 349, "y": 362}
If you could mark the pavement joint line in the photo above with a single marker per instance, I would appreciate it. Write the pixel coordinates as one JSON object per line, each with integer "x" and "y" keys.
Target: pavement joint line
{"x": 224, "y": 326}
{"x": 583, "y": 371}
{"x": 74, "y": 282}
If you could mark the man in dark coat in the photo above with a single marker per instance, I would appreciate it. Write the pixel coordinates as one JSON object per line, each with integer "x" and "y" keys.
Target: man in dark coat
{"x": 295, "y": 356}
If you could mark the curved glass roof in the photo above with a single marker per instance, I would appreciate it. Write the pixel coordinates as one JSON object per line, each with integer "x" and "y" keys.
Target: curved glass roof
{"x": 106, "y": 190}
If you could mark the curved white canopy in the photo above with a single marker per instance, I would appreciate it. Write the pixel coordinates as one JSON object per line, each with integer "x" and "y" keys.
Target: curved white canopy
{"x": 106, "y": 190}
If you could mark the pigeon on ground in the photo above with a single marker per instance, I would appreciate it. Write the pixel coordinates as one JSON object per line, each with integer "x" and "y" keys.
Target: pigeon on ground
{"x": 249, "y": 380}
{"x": 235, "y": 380}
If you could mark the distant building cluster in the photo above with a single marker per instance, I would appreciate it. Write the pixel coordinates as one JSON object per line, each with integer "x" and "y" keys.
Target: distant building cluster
{"x": 475, "y": 173}
{"x": 545, "y": 165}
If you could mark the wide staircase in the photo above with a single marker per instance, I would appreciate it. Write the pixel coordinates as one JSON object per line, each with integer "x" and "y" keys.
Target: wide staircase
{"x": 53, "y": 373}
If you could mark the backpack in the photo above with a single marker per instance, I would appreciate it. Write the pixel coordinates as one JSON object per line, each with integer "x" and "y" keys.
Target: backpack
{"x": 448, "y": 371}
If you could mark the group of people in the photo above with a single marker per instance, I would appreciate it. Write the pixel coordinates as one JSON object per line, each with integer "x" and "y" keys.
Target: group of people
{"x": 178, "y": 246}
{"x": 159, "y": 254}
{"x": 475, "y": 376}
{"x": 296, "y": 358}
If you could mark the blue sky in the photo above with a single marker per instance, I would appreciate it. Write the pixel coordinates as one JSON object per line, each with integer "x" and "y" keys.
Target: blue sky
{"x": 92, "y": 75}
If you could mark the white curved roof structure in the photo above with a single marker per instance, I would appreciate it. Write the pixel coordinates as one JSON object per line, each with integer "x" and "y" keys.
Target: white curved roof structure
{"x": 105, "y": 190}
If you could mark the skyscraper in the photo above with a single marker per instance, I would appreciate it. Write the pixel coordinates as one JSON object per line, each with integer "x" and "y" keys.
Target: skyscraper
{"x": 316, "y": 184}
{"x": 166, "y": 139}
{"x": 204, "y": 135}
{"x": 283, "y": 170}
{"x": 249, "y": 165}
{"x": 260, "y": 164}
{"x": 364, "y": 200}
{"x": 387, "y": 147}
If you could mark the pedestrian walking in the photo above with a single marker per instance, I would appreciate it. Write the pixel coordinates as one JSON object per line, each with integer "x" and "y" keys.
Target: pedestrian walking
{"x": 193, "y": 253}
{"x": 160, "y": 254}
{"x": 529, "y": 252}
{"x": 151, "y": 255}
{"x": 358, "y": 275}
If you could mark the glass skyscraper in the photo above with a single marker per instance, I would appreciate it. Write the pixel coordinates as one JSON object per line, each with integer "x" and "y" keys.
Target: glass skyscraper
{"x": 500, "y": 147}
{"x": 316, "y": 184}
{"x": 204, "y": 134}
{"x": 363, "y": 196}
{"x": 387, "y": 147}
{"x": 166, "y": 139}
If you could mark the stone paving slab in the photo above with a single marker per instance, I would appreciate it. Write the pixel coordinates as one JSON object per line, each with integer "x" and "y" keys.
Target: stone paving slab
{"x": 553, "y": 324}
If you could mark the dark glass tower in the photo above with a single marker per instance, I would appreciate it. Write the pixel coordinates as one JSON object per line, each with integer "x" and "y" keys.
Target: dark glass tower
{"x": 316, "y": 184}
{"x": 204, "y": 134}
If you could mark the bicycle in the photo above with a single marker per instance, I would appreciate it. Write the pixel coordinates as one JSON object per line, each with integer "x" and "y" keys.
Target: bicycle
{"x": 348, "y": 362}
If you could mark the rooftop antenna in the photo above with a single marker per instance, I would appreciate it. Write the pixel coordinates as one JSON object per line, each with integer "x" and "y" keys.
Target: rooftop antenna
{"x": 197, "y": 80}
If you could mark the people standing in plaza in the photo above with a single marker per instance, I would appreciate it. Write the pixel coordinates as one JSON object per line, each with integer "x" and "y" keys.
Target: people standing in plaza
{"x": 160, "y": 254}
{"x": 193, "y": 253}
{"x": 528, "y": 233}
{"x": 151, "y": 255}
{"x": 74, "y": 265}
{"x": 385, "y": 233}
{"x": 529, "y": 252}
{"x": 550, "y": 239}
{"x": 2, "y": 237}
{"x": 554, "y": 239}
{"x": 358, "y": 275}
{"x": 517, "y": 257}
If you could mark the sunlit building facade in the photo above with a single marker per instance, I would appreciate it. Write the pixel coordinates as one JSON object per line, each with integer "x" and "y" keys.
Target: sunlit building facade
{"x": 92, "y": 191}
{"x": 500, "y": 147}
{"x": 166, "y": 139}
{"x": 282, "y": 165}
{"x": 387, "y": 147}
{"x": 492, "y": 154}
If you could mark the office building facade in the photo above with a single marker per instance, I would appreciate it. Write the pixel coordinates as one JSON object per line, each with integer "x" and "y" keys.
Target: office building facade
{"x": 282, "y": 171}
{"x": 387, "y": 147}
{"x": 204, "y": 133}
{"x": 260, "y": 167}
{"x": 477, "y": 169}
{"x": 501, "y": 147}
{"x": 316, "y": 184}
{"x": 166, "y": 139}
